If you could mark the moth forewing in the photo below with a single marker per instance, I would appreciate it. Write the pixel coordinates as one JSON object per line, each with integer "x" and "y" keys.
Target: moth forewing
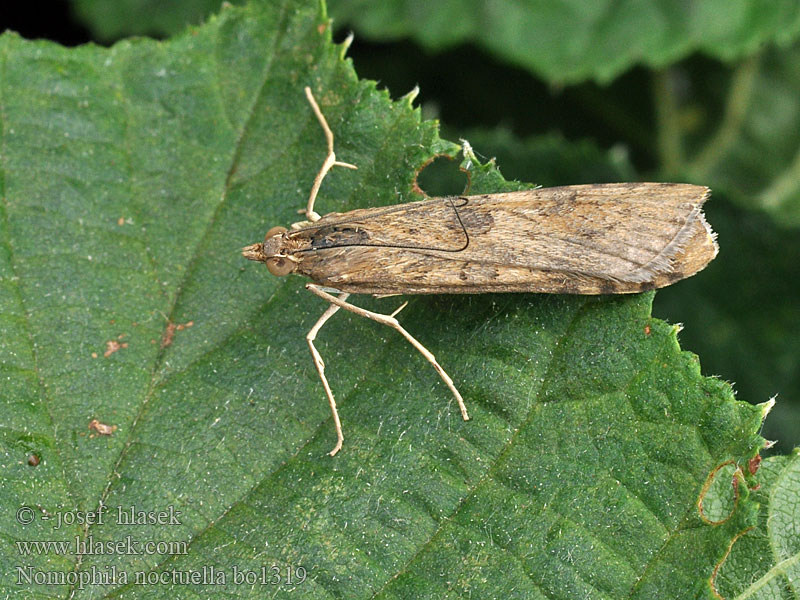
{"x": 583, "y": 239}
{"x": 588, "y": 239}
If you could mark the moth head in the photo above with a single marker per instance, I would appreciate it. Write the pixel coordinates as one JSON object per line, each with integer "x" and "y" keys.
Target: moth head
{"x": 272, "y": 252}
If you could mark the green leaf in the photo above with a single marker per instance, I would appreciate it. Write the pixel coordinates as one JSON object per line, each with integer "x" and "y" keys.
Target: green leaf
{"x": 758, "y": 258}
{"x": 604, "y": 38}
{"x": 751, "y": 153}
{"x": 595, "y": 463}
{"x": 571, "y": 41}
{"x": 755, "y": 156}
{"x": 765, "y": 562}
{"x": 110, "y": 20}
{"x": 551, "y": 160}
{"x": 755, "y": 252}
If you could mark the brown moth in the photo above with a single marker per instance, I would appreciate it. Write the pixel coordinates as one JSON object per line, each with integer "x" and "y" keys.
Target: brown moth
{"x": 583, "y": 239}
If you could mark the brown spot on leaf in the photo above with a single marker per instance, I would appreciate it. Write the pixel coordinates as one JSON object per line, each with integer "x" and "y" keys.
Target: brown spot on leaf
{"x": 33, "y": 459}
{"x": 753, "y": 464}
{"x": 101, "y": 428}
{"x": 169, "y": 332}
{"x": 113, "y": 345}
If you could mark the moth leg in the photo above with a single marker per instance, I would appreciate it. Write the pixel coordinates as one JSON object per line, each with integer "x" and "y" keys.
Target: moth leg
{"x": 320, "y": 364}
{"x": 327, "y": 165}
{"x": 394, "y": 324}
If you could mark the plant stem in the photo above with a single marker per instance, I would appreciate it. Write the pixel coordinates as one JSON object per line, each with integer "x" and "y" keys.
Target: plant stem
{"x": 668, "y": 129}
{"x": 783, "y": 188}
{"x": 739, "y": 94}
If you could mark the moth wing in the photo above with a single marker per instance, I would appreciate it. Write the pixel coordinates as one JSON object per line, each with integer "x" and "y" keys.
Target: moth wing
{"x": 621, "y": 232}
{"x": 574, "y": 239}
{"x": 430, "y": 225}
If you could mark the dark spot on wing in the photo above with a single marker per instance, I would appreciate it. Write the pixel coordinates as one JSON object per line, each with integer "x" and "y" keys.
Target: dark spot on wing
{"x": 338, "y": 235}
{"x": 475, "y": 221}
{"x": 647, "y": 286}
{"x": 607, "y": 287}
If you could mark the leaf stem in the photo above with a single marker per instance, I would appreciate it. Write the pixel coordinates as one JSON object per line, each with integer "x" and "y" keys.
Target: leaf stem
{"x": 670, "y": 151}
{"x": 784, "y": 187}
{"x": 739, "y": 95}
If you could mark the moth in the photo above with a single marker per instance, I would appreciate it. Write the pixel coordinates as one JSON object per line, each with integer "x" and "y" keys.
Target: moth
{"x": 616, "y": 238}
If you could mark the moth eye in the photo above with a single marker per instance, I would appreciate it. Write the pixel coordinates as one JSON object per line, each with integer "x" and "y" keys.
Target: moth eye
{"x": 280, "y": 266}
{"x": 274, "y": 231}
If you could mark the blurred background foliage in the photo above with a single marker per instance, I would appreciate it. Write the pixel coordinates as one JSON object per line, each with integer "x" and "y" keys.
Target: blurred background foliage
{"x": 571, "y": 92}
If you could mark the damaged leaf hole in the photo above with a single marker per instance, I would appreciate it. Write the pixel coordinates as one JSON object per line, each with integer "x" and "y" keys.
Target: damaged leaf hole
{"x": 441, "y": 177}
